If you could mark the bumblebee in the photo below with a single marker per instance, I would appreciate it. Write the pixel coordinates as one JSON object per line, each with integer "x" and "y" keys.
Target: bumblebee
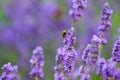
{"x": 63, "y": 33}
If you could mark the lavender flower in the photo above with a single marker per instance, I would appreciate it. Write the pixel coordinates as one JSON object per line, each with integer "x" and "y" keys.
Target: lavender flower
{"x": 80, "y": 70}
{"x": 84, "y": 72}
{"x": 86, "y": 54}
{"x": 70, "y": 60}
{"x": 95, "y": 49}
{"x": 109, "y": 70}
{"x": 59, "y": 76}
{"x": 89, "y": 58}
{"x": 69, "y": 39}
{"x": 105, "y": 22}
{"x": 77, "y": 8}
{"x": 116, "y": 51}
{"x": 85, "y": 77}
{"x": 37, "y": 63}
{"x": 105, "y": 18}
{"x": 100, "y": 63}
{"x": 60, "y": 62}
{"x": 92, "y": 52}
{"x": 66, "y": 56}
{"x": 9, "y": 72}
{"x": 117, "y": 74}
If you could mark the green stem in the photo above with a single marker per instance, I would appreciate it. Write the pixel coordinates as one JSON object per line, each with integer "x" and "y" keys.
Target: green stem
{"x": 74, "y": 24}
{"x": 66, "y": 78}
{"x": 36, "y": 77}
{"x": 100, "y": 45}
{"x": 117, "y": 64}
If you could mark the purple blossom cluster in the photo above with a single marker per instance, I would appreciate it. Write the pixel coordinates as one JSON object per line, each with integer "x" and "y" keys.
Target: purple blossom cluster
{"x": 100, "y": 64}
{"x": 107, "y": 69}
{"x": 105, "y": 22}
{"x": 69, "y": 39}
{"x": 9, "y": 72}
{"x": 89, "y": 58}
{"x": 116, "y": 51}
{"x": 66, "y": 56}
{"x": 77, "y": 8}
{"x": 105, "y": 18}
{"x": 92, "y": 51}
{"x": 37, "y": 63}
{"x": 59, "y": 68}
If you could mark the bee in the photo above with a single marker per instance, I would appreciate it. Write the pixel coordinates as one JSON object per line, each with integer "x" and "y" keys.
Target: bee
{"x": 63, "y": 33}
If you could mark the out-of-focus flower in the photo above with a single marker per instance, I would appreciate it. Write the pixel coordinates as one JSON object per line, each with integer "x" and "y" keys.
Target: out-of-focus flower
{"x": 60, "y": 62}
{"x": 85, "y": 77}
{"x": 89, "y": 58}
{"x": 105, "y": 18}
{"x": 37, "y": 63}
{"x": 84, "y": 72}
{"x": 109, "y": 70}
{"x": 59, "y": 76}
{"x": 86, "y": 54}
{"x": 30, "y": 23}
{"x": 117, "y": 74}
{"x": 100, "y": 63}
{"x": 95, "y": 49}
{"x": 116, "y": 51}
{"x": 77, "y": 8}
{"x": 9, "y": 72}
{"x": 92, "y": 51}
{"x": 105, "y": 22}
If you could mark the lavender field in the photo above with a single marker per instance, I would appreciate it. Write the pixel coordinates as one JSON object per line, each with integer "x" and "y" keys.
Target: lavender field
{"x": 59, "y": 39}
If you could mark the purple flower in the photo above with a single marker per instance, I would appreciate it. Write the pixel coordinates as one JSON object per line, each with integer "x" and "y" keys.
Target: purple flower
{"x": 86, "y": 54}
{"x": 117, "y": 74}
{"x": 100, "y": 63}
{"x": 60, "y": 62}
{"x": 92, "y": 51}
{"x": 77, "y": 8}
{"x": 105, "y": 18}
{"x": 66, "y": 56}
{"x": 69, "y": 39}
{"x": 116, "y": 51}
{"x": 37, "y": 63}
{"x": 85, "y": 77}
{"x": 95, "y": 49}
{"x": 59, "y": 76}
{"x": 84, "y": 72}
{"x": 70, "y": 60}
{"x": 109, "y": 70}
{"x": 105, "y": 22}
{"x": 80, "y": 70}
{"x": 9, "y": 72}
{"x": 89, "y": 58}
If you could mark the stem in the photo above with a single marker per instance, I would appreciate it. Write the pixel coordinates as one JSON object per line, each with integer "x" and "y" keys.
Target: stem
{"x": 74, "y": 24}
{"x": 66, "y": 78}
{"x": 117, "y": 65}
{"x": 36, "y": 77}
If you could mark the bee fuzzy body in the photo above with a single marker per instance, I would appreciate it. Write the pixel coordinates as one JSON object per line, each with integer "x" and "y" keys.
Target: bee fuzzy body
{"x": 63, "y": 33}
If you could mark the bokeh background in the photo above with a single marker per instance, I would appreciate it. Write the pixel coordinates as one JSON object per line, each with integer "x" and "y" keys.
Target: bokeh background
{"x": 25, "y": 24}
